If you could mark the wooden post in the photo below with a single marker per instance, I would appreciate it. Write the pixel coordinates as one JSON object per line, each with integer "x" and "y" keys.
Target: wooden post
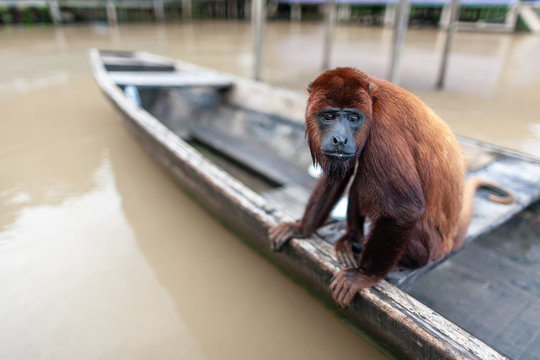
{"x": 296, "y": 12}
{"x": 452, "y": 27}
{"x": 258, "y": 18}
{"x": 159, "y": 10}
{"x": 186, "y": 9}
{"x": 233, "y": 9}
{"x": 111, "y": 13}
{"x": 344, "y": 13}
{"x": 389, "y": 19}
{"x": 398, "y": 38}
{"x": 329, "y": 33}
{"x": 512, "y": 16}
{"x": 446, "y": 13}
{"x": 54, "y": 12}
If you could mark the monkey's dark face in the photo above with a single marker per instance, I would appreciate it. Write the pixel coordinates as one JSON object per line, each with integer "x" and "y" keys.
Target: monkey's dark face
{"x": 338, "y": 129}
{"x": 338, "y": 119}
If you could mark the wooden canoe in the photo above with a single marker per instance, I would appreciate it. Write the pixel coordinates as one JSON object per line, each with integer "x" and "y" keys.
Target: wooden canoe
{"x": 238, "y": 147}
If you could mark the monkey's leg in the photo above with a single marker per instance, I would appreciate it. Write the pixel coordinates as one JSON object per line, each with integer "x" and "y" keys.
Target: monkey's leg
{"x": 344, "y": 247}
{"x": 380, "y": 254}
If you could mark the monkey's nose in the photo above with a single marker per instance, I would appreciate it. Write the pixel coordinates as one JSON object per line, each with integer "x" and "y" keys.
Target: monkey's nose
{"x": 339, "y": 140}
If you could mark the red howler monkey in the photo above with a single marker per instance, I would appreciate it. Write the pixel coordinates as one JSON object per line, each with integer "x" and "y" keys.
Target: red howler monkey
{"x": 407, "y": 174}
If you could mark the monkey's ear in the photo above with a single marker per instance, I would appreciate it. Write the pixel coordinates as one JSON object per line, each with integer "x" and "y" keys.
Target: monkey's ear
{"x": 370, "y": 88}
{"x": 308, "y": 87}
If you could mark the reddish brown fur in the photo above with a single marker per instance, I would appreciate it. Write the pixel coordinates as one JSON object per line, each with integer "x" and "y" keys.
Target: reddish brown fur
{"x": 408, "y": 146}
{"x": 409, "y": 181}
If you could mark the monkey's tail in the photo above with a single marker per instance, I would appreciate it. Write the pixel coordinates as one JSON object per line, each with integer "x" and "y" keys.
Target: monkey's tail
{"x": 498, "y": 195}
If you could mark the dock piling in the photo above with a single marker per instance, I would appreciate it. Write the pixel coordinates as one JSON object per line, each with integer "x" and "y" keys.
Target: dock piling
{"x": 329, "y": 33}
{"x": 258, "y": 18}
{"x": 452, "y": 27}
{"x": 54, "y": 12}
{"x": 398, "y": 38}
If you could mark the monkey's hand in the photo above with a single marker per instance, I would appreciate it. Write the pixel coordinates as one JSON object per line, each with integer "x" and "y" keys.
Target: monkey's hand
{"x": 347, "y": 283}
{"x": 280, "y": 234}
{"x": 344, "y": 249}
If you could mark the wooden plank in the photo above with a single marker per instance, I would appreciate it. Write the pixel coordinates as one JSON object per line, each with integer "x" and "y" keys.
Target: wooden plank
{"x": 532, "y": 352}
{"x": 122, "y": 61}
{"x": 167, "y": 79}
{"x": 251, "y": 155}
{"x": 521, "y": 274}
{"x": 519, "y": 338}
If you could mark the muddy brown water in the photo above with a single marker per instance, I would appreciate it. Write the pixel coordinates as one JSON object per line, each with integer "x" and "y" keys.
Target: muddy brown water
{"x": 101, "y": 253}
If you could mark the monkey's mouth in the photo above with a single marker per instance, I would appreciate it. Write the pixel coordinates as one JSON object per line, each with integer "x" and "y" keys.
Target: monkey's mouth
{"x": 337, "y": 155}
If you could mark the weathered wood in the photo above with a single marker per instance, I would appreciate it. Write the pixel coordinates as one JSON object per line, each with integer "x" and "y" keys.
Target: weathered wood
{"x": 398, "y": 39}
{"x": 258, "y": 19}
{"x": 387, "y": 314}
{"x": 451, "y": 32}
{"x": 330, "y": 25}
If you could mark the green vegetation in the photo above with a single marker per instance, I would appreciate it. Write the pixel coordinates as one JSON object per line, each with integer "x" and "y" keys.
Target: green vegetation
{"x": 27, "y": 15}
{"x": 210, "y": 9}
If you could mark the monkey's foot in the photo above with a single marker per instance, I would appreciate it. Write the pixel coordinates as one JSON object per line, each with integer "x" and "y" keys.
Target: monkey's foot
{"x": 280, "y": 234}
{"x": 344, "y": 251}
{"x": 347, "y": 283}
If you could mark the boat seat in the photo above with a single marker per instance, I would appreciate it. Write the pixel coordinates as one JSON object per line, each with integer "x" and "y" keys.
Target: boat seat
{"x": 169, "y": 79}
{"x": 125, "y": 62}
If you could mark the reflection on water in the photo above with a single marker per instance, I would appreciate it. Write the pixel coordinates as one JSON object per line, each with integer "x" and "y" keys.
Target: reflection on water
{"x": 101, "y": 254}
{"x": 78, "y": 263}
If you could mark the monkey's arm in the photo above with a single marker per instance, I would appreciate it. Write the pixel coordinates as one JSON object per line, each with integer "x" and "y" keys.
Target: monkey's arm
{"x": 380, "y": 254}
{"x": 403, "y": 208}
{"x": 324, "y": 196}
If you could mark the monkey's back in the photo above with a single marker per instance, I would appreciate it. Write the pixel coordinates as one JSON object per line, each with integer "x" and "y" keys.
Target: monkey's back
{"x": 412, "y": 135}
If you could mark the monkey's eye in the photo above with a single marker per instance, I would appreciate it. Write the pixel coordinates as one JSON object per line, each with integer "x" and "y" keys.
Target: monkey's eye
{"x": 354, "y": 118}
{"x": 328, "y": 116}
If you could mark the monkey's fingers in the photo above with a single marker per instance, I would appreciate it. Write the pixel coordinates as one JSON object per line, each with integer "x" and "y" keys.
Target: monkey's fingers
{"x": 279, "y": 238}
{"x": 276, "y": 230}
{"x": 346, "y": 284}
{"x": 340, "y": 296}
{"x": 278, "y": 241}
{"x": 348, "y": 257}
{"x": 347, "y": 297}
{"x": 344, "y": 253}
{"x": 352, "y": 260}
{"x": 281, "y": 234}
{"x": 340, "y": 288}
{"x": 336, "y": 280}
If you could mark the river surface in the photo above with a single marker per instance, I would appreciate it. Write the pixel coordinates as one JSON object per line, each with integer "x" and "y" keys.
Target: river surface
{"x": 101, "y": 253}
